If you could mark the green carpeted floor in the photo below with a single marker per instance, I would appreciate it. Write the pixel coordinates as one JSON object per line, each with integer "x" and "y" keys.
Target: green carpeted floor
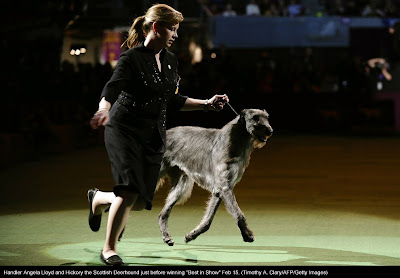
{"x": 310, "y": 201}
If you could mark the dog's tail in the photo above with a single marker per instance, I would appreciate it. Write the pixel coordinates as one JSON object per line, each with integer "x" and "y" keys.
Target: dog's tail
{"x": 181, "y": 187}
{"x": 161, "y": 182}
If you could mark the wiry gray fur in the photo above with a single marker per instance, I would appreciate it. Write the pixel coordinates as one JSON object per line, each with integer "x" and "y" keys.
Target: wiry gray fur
{"x": 215, "y": 159}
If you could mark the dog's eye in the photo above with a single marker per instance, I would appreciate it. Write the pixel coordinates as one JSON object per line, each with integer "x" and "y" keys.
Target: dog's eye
{"x": 256, "y": 118}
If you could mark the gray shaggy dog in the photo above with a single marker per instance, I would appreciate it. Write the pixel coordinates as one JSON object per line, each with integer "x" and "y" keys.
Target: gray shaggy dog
{"x": 215, "y": 159}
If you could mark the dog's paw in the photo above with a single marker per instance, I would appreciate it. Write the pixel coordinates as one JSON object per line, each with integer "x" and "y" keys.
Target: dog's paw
{"x": 248, "y": 236}
{"x": 248, "y": 239}
{"x": 189, "y": 238}
{"x": 169, "y": 241}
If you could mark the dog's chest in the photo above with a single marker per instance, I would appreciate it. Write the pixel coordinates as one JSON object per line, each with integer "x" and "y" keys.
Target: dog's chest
{"x": 235, "y": 169}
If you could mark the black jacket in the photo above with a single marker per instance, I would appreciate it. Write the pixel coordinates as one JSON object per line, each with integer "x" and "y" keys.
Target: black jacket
{"x": 140, "y": 93}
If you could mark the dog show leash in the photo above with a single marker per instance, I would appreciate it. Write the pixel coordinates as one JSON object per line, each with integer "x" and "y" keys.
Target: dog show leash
{"x": 230, "y": 106}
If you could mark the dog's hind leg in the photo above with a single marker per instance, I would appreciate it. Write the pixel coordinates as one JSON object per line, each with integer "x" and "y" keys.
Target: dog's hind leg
{"x": 233, "y": 208}
{"x": 205, "y": 223}
{"x": 181, "y": 189}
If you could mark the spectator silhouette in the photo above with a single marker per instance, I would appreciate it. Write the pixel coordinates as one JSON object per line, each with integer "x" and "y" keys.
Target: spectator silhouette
{"x": 229, "y": 11}
{"x": 294, "y": 8}
{"x": 252, "y": 8}
{"x": 372, "y": 10}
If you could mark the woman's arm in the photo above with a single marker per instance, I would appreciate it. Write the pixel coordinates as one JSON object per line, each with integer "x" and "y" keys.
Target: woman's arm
{"x": 101, "y": 117}
{"x": 372, "y": 62}
{"x": 216, "y": 103}
{"x": 104, "y": 105}
{"x": 118, "y": 82}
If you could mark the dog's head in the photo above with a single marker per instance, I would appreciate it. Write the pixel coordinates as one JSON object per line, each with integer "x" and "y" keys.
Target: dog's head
{"x": 257, "y": 124}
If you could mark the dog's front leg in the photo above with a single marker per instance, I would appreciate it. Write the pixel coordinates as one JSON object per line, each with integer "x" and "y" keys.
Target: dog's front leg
{"x": 181, "y": 189}
{"x": 205, "y": 223}
{"x": 172, "y": 199}
{"x": 233, "y": 208}
{"x": 163, "y": 222}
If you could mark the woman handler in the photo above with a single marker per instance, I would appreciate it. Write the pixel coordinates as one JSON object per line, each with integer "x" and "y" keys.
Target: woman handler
{"x": 133, "y": 108}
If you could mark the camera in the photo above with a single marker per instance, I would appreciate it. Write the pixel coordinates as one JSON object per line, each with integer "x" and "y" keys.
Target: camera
{"x": 379, "y": 65}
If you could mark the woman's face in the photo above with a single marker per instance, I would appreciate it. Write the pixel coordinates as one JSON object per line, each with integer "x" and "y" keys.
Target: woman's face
{"x": 168, "y": 33}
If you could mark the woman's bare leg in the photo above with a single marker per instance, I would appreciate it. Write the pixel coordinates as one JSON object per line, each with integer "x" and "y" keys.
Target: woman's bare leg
{"x": 102, "y": 200}
{"x": 117, "y": 218}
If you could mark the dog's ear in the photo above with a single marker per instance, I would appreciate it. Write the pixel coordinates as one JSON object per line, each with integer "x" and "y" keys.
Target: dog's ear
{"x": 242, "y": 118}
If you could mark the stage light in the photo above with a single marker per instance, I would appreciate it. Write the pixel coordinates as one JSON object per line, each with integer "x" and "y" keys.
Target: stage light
{"x": 196, "y": 52}
{"x": 77, "y": 49}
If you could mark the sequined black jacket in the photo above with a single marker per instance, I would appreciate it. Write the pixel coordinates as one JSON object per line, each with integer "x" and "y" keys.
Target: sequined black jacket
{"x": 140, "y": 93}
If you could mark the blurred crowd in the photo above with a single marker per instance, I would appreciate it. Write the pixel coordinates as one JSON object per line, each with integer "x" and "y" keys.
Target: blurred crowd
{"x": 293, "y": 8}
{"x": 48, "y": 102}
{"x": 47, "y": 105}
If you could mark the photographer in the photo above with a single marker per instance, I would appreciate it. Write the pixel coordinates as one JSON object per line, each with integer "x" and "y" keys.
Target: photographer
{"x": 380, "y": 65}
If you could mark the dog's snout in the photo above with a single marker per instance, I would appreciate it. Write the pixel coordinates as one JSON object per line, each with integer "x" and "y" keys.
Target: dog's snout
{"x": 267, "y": 130}
{"x": 271, "y": 131}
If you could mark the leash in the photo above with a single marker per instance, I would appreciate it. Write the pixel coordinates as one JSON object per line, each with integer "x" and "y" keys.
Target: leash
{"x": 230, "y": 106}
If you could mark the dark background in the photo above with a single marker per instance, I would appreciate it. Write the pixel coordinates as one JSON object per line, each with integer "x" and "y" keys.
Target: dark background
{"x": 47, "y": 103}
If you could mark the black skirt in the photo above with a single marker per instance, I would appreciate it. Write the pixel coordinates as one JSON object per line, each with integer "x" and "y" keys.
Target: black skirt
{"x": 135, "y": 164}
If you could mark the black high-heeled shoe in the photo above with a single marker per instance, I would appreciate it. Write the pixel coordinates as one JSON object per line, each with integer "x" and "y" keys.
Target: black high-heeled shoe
{"x": 113, "y": 260}
{"x": 94, "y": 220}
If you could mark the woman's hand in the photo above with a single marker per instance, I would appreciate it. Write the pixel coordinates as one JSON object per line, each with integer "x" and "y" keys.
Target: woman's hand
{"x": 217, "y": 102}
{"x": 100, "y": 118}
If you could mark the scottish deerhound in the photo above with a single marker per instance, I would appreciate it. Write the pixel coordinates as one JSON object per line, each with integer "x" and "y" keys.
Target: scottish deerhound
{"x": 215, "y": 159}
